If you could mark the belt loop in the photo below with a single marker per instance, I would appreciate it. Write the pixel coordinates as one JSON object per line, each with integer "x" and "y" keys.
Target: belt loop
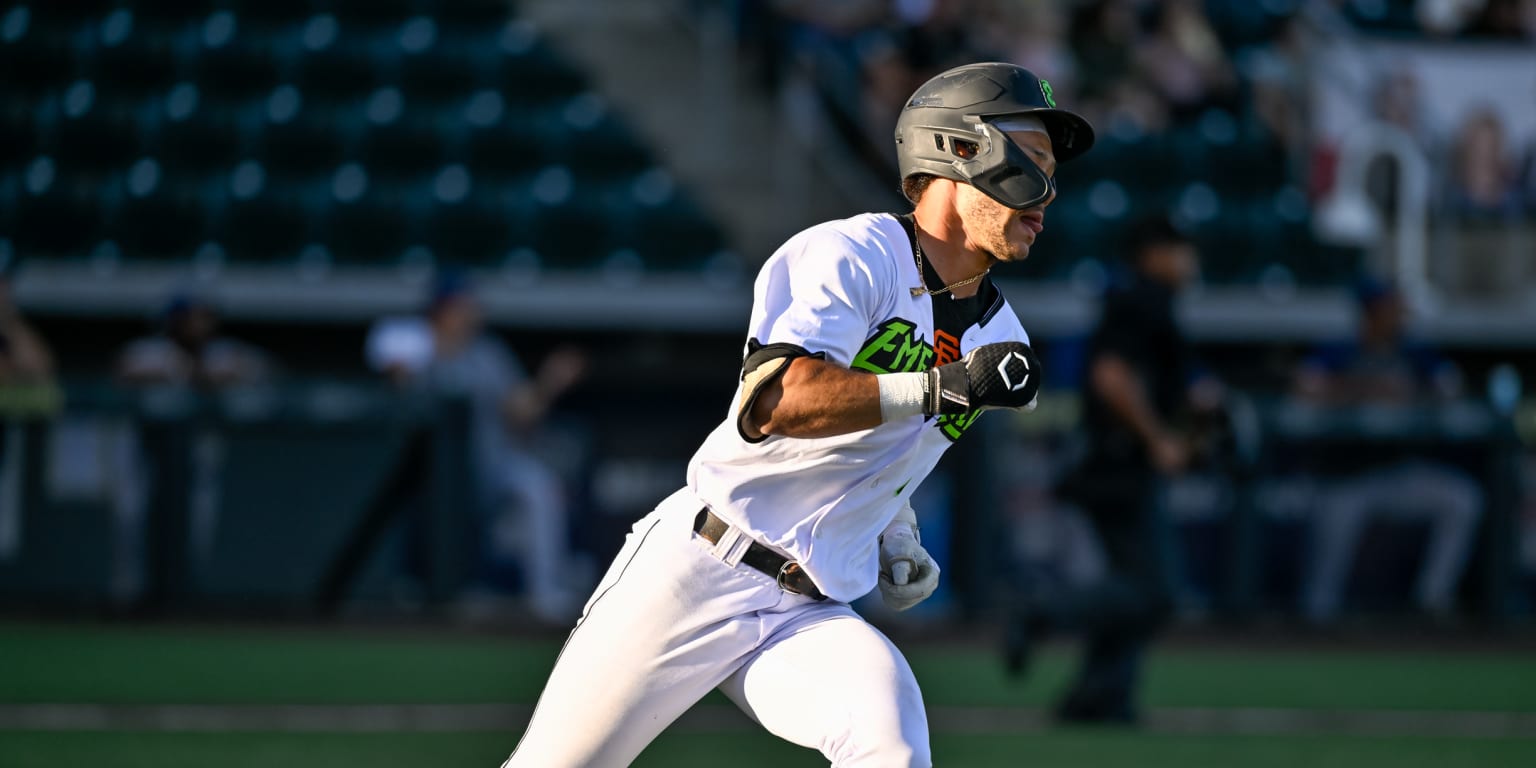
{"x": 739, "y": 551}
{"x": 731, "y": 543}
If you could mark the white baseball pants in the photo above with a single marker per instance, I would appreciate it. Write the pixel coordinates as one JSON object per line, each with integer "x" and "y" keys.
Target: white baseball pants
{"x": 673, "y": 618}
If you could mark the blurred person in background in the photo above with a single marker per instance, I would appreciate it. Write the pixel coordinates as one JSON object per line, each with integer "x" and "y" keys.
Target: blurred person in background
{"x": 24, "y": 356}
{"x": 1107, "y": 38}
{"x": 1183, "y": 59}
{"x": 188, "y": 350}
{"x": 1485, "y": 181}
{"x": 1139, "y": 382}
{"x": 1383, "y": 367}
{"x": 448, "y": 352}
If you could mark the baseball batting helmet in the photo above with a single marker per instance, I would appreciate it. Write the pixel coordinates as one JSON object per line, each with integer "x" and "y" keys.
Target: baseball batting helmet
{"x": 947, "y": 129}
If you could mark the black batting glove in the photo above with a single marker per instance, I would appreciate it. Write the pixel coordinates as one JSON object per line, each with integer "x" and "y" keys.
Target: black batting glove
{"x": 1001, "y": 375}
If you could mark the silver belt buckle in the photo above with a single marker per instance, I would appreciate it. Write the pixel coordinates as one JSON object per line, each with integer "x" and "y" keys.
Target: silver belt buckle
{"x": 784, "y": 571}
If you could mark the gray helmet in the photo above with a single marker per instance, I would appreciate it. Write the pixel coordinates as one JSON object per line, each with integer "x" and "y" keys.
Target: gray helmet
{"x": 946, "y": 130}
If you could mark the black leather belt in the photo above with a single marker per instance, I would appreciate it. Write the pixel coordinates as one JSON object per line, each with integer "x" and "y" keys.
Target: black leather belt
{"x": 788, "y": 573}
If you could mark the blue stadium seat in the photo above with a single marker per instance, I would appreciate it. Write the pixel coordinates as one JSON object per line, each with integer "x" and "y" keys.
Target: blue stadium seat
{"x": 381, "y": 11}
{"x": 166, "y": 223}
{"x": 269, "y": 227}
{"x": 346, "y": 69}
{"x": 216, "y": 137}
{"x": 149, "y": 60}
{"x": 677, "y": 236}
{"x": 41, "y": 60}
{"x": 575, "y": 235}
{"x": 105, "y": 137}
{"x": 303, "y": 146}
{"x": 476, "y": 232}
{"x": 242, "y": 68}
{"x": 373, "y": 230}
{"x": 63, "y": 221}
{"x": 409, "y": 147}
{"x": 18, "y": 133}
{"x": 516, "y": 146}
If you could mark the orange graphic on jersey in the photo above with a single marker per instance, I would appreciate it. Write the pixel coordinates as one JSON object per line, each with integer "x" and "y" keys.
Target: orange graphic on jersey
{"x": 945, "y": 347}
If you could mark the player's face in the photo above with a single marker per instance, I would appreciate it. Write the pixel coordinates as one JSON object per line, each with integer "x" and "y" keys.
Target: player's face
{"x": 997, "y": 230}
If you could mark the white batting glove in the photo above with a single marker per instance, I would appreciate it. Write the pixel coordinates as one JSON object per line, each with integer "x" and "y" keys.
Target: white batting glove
{"x": 908, "y": 575}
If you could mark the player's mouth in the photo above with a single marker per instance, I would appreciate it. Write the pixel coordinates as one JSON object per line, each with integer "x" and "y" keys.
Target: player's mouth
{"x": 1033, "y": 220}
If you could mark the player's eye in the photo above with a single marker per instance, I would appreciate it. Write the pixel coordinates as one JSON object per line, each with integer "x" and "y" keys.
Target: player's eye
{"x": 963, "y": 149}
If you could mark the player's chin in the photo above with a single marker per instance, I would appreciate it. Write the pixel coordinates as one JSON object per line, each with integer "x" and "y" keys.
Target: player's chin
{"x": 1018, "y": 248}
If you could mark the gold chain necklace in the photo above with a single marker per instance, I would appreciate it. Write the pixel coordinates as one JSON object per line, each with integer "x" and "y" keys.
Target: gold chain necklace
{"x": 918, "y": 249}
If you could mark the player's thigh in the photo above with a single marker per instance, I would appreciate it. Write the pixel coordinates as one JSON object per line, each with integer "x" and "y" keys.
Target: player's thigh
{"x": 608, "y": 696}
{"x": 838, "y": 686}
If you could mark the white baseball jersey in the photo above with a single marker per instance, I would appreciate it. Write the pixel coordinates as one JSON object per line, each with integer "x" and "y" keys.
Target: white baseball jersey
{"x": 843, "y": 289}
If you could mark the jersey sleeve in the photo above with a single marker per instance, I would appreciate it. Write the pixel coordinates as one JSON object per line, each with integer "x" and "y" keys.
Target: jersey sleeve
{"x": 821, "y": 292}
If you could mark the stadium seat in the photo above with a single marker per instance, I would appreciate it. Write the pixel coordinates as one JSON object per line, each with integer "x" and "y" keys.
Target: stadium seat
{"x": 269, "y": 227}
{"x": 534, "y": 77}
{"x": 478, "y": 232}
{"x": 677, "y": 236}
{"x": 64, "y": 221}
{"x": 215, "y": 138}
{"x": 516, "y": 146}
{"x": 41, "y": 60}
{"x": 606, "y": 149}
{"x": 380, "y": 11}
{"x": 375, "y": 230}
{"x": 300, "y": 147}
{"x": 106, "y": 137}
{"x": 167, "y": 223}
{"x": 242, "y": 68}
{"x": 344, "y": 70}
{"x": 574, "y": 235}
{"x": 148, "y": 61}
{"x": 407, "y": 148}
{"x": 474, "y": 13}
{"x": 18, "y": 133}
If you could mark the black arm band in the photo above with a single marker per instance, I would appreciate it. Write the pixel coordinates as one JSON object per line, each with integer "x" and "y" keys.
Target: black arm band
{"x": 764, "y": 363}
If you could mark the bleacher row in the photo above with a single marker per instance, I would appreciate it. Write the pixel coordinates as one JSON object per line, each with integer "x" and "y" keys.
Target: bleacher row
{"x": 342, "y": 132}
{"x": 1219, "y": 178}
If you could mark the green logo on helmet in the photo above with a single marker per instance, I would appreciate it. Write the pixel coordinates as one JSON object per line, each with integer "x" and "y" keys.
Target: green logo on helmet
{"x": 1045, "y": 90}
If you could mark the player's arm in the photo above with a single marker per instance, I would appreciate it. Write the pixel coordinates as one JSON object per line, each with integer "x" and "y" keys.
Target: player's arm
{"x": 788, "y": 392}
{"x": 814, "y": 398}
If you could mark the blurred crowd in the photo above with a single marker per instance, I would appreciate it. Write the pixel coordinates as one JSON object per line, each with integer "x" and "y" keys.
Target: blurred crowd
{"x": 1138, "y": 67}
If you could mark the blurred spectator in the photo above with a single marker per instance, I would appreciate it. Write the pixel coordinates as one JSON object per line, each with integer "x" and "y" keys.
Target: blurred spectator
{"x": 1277, "y": 73}
{"x": 1381, "y": 367}
{"x": 448, "y": 352}
{"x": 1184, "y": 60}
{"x": 1032, "y": 34}
{"x": 1138, "y": 382}
{"x": 1104, "y": 35}
{"x": 1396, "y": 99}
{"x": 24, "y": 357}
{"x": 188, "y": 350}
{"x": 1484, "y": 181}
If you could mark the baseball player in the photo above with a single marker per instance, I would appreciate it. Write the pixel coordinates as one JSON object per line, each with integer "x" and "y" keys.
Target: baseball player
{"x": 874, "y": 343}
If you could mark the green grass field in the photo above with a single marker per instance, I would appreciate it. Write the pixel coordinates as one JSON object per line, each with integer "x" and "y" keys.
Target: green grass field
{"x": 132, "y": 667}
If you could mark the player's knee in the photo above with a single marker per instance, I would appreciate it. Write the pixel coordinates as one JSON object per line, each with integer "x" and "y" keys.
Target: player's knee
{"x": 892, "y": 754}
{"x": 884, "y": 738}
